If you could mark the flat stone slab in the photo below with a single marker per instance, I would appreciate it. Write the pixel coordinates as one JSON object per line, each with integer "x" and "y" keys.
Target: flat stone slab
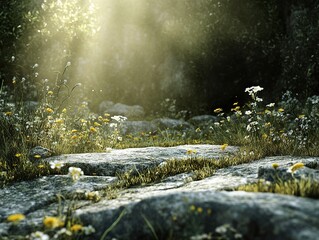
{"x": 238, "y": 215}
{"x": 173, "y": 205}
{"x": 122, "y": 160}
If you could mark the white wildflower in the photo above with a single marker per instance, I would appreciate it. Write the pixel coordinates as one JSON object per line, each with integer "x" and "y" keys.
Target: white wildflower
{"x": 62, "y": 231}
{"x": 56, "y": 164}
{"x": 259, "y": 99}
{"x": 270, "y": 105}
{"x": 253, "y": 89}
{"x": 75, "y": 173}
{"x": 108, "y": 149}
{"x": 113, "y": 125}
{"x": 88, "y": 230}
{"x": 248, "y": 112}
{"x": 39, "y": 236}
{"x": 119, "y": 118}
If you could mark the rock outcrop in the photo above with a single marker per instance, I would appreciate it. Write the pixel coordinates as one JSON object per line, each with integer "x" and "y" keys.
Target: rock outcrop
{"x": 135, "y": 111}
{"x": 176, "y": 207}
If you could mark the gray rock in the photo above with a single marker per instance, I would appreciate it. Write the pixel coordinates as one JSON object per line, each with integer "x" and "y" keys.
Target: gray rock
{"x": 203, "y": 120}
{"x": 121, "y": 160}
{"x": 172, "y": 124}
{"x": 104, "y": 106}
{"x": 30, "y": 106}
{"x": 134, "y": 111}
{"x": 39, "y": 152}
{"x": 38, "y": 198}
{"x": 176, "y": 207}
{"x": 182, "y": 215}
{"x": 137, "y": 127}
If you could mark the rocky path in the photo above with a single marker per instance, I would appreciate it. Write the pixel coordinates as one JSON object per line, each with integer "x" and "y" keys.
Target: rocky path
{"x": 175, "y": 208}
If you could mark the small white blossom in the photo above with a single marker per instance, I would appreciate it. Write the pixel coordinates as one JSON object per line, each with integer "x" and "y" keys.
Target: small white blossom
{"x": 88, "y": 230}
{"x": 113, "y": 125}
{"x": 259, "y": 99}
{"x": 248, "y": 112}
{"x": 108, "y": 149}
{"x": 253, "y": 89}
{"x": 56, "y": 164}
{"x": 62, "y": 231}
{"x": 75, "y": 173}
{"x": 119, "y": 118}
{"x": 39, "y": 236}
{"x": 68, "y": 64}
{"x": 270, "y": 105}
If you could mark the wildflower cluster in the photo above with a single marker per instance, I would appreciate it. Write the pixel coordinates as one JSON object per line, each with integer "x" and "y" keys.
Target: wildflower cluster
{"x": 286, "y": 124}
{"x": 54, "y": 228}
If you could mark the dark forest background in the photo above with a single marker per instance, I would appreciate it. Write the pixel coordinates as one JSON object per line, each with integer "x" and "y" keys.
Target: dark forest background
{"x": 203, "y": 53}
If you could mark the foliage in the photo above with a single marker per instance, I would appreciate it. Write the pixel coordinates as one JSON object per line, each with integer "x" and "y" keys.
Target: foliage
{"x": 301, "y": 188}
{"x": 41, "y": 33}
{"x": 299, "y": 51}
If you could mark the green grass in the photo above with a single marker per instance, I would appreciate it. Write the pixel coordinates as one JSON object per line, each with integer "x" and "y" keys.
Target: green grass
{"x": 259, "y": 130}
{"x": 301, "y": 188}
{"x": 264, "y": 129}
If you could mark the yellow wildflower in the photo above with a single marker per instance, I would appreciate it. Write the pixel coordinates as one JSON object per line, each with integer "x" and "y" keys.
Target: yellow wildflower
{"x": 267, "y": 111}
{"x": 18, "y": 155}
{"x": 74, "y": 137}
{"x": 64, "y": 110}
{"x": 8, "y": 113}
{"x": 76, "y": 228}
{"x": 96, "y": 124}
{"x": 192, "y": 208}
{"x": 37, "y": 156}
{"x": 49, "y": 110}
{"x": 199, "y": 210}
{"x": 224, "y": 146}
{"x": 190, "y": 151}
{"x": 275, "y": 165}
{"x": 264, "y": 136}
{"x": 236, "y": 109}
{"x": 268, "y": 124}
{"x": 218, "y": 110}
{"x": 92, "y": 195}
{"x": 295, "y": 167}
{"x": 50, "y": 93}
{"x": 52, "y": 222}
{"x": 281, "y": 110}
{"x": 58, "y": 120}
{"x": 74, "y": 131}
{"x": 93, "y": 129}
{"x": 83, "y": 121}
{"x": 301, "y": 116}
{"x": 41, "y": 166}
{"x": 15, "y": 217}
{"x": 235, "y": 103}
